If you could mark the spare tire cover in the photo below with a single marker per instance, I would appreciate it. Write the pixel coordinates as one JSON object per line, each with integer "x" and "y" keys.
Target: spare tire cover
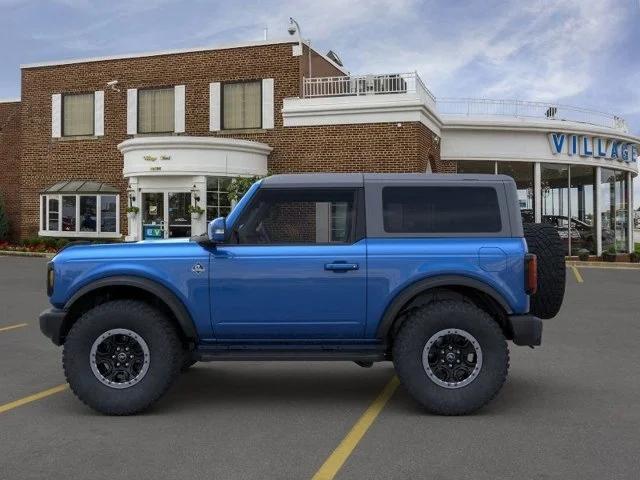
{"x": 543, "y": 241}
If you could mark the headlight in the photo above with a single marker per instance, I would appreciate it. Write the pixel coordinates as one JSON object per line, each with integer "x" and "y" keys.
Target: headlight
{"x": 51, "y": 277}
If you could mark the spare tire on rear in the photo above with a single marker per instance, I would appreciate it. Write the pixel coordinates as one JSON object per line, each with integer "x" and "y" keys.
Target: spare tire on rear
{"x": 543, "y": 241}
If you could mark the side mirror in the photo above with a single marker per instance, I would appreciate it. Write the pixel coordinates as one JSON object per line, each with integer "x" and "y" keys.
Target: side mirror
{"x": 217, "y": 230}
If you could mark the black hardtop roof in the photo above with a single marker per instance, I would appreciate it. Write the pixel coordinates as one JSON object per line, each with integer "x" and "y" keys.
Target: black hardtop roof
{"x": 358, "y": 179}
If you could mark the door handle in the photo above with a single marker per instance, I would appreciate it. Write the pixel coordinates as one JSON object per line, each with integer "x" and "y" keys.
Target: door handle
{"x": 341, "y": 266}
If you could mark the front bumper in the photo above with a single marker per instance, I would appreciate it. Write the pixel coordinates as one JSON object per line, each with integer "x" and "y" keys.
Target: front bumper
{"x": 526, "y": 330}
{"x": 51, "y": 323}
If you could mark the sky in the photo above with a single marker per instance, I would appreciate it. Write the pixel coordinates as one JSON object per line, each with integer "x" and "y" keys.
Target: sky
{"x": 576, "y": 52}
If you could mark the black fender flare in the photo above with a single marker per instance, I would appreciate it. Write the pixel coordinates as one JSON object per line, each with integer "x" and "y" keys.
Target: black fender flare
{"x": 163, "y": 293}
{"x": 426, "y": 284}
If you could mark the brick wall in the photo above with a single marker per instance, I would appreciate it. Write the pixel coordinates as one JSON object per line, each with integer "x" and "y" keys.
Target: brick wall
{"x": 338, "y": 148}
{"x": 9, "y": 162}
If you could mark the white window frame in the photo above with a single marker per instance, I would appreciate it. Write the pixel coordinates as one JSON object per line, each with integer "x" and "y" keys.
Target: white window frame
{"x": 44, "y": 223}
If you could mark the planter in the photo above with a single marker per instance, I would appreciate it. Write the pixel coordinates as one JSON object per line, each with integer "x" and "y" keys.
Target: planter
{"x": 195, "y": 216}
{"x": 616, "y": 257}
{"x": 132, "y": 216}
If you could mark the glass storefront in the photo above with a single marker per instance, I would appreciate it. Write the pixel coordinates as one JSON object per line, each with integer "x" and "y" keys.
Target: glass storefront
{"x": 554, "y": 199}
{"x": 582, "y": 215}
{"x": 568, "y": 200}
{"x": 471, "y": 166}
{"x": 522, "y": 173}
{"x": 614, "y": 210}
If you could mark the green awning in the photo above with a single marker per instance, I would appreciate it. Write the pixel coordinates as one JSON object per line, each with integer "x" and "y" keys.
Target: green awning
{"x": 80, "y": 187}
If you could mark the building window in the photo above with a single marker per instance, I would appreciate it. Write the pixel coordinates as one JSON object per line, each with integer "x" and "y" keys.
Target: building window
{"x": 108, "y": 213}
{"x": 156, "y": 110}
{"x": 79, "y": 216}
{"x": 78, "y": 114}
{"x": 241, "y": 105}
{"x": 218, "y": 203}
{"x": 581, "y": 206}
{"x": 555, "y": 199}
{"x": 472, "y": 166}
{"x": 614, "y": 210}
{"x": 522, "y": 173}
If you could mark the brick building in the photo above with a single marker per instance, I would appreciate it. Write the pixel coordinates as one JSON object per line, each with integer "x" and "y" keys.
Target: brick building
{"x": 159, "y": 132}
{"x": 174, "y": 126}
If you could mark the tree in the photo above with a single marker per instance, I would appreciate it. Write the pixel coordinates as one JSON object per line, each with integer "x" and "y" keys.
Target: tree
{"x": 4, "y": 221}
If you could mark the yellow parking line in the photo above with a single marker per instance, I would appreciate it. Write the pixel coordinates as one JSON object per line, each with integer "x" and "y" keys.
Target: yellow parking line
{"x": 576, "y": 274}
{"x": 332, "y": 465}
{"x": 32, "y": 398}
{"x": 11, "y": 327}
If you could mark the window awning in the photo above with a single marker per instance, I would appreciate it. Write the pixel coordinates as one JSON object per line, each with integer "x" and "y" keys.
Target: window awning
{"x": 80, "y": 187}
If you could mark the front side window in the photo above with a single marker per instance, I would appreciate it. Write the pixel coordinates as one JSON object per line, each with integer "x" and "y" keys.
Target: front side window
{"x": 77, "y": 114}
{"x": 280, "y": 217}
{"x": 441, "y": 210}
{"x": 242, "y": 105}
{"x": 156, "y": 110}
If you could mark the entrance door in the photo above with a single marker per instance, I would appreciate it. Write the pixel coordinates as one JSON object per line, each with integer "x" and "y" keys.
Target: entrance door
{"x": 153, "y": 213}
{"x": 294, "y": 267}
{"x": 179, "y": 220}
{"x": 159, "y": 222}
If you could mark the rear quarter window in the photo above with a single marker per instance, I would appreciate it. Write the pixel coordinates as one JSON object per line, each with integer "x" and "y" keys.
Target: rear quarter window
{"x": 441, "y": 209}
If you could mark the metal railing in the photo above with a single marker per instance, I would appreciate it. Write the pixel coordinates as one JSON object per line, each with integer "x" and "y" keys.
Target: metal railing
{"x": 524, "y": 109}
{"x": 392, "y": 83}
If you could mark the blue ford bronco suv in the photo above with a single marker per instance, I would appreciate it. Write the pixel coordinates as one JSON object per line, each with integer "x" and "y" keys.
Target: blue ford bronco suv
{"x": 432, "y": 272}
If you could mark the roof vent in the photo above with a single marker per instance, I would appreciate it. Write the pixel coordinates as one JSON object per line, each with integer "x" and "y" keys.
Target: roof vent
{"x": 334, "y": 57}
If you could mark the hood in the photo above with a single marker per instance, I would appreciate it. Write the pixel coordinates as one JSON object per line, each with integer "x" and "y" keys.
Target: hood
{"x": 111, "y": 251}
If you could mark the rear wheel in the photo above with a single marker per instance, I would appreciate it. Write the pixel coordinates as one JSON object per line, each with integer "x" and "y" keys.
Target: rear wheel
{"x": 451, "y": 356}
{"x": 544, "y": 241}
{"x": 121, "y": 356}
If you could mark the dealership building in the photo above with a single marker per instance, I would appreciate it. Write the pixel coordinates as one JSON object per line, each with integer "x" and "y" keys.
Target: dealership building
{"x": 163, "y": 134}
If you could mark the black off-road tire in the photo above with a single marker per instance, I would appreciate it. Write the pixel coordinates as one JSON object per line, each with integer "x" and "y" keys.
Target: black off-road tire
{"x": 414, "y": 334}
{"x": 543, "y": 240}
{"x": 166, "y": 355}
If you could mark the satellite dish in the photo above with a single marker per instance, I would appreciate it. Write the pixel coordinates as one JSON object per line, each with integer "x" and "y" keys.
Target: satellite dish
{"x": 334, "y": 56}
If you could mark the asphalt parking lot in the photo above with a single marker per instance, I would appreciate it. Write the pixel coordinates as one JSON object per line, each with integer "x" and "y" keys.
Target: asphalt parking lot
{"x": 570, "y": 409}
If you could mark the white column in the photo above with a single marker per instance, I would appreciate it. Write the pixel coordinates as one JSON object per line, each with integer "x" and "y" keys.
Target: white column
{"x": 598, "y": 213}
{"x": 537, "y": 193}
{"x": 631, "y": 240}
{"x": 199, "y": 226}
{"x": 134, "y": 221}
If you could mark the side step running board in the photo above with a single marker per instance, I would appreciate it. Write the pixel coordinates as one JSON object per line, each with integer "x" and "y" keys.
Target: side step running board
{"x": 208, "y": 353}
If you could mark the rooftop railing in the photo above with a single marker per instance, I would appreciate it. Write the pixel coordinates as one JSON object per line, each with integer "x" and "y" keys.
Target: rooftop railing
{"x": 357, "y": 85}
{"x": 411, "y": 83}
{"x": 474, "y": 107}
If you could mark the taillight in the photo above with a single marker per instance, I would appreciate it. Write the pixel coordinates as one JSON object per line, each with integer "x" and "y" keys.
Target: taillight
{"x": 530, "y": 273}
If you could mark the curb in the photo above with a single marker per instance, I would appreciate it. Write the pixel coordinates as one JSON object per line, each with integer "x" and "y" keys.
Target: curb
{"x": 11, "y": 253}
{"x": 607, "y": 265}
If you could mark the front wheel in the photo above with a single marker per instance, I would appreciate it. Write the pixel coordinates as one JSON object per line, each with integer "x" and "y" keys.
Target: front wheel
{"x": 451, "y": 356}
{"x": 121, "y": 356}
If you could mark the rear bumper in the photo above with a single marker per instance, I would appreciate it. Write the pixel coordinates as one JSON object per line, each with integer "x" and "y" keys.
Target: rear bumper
{"x": 526, "y": 329}
{"x": 51, "y": 321}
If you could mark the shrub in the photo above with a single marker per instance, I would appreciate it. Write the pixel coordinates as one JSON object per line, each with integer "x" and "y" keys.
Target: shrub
{"x": 583, "y": 254}
{"x": 4, "y": 221}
